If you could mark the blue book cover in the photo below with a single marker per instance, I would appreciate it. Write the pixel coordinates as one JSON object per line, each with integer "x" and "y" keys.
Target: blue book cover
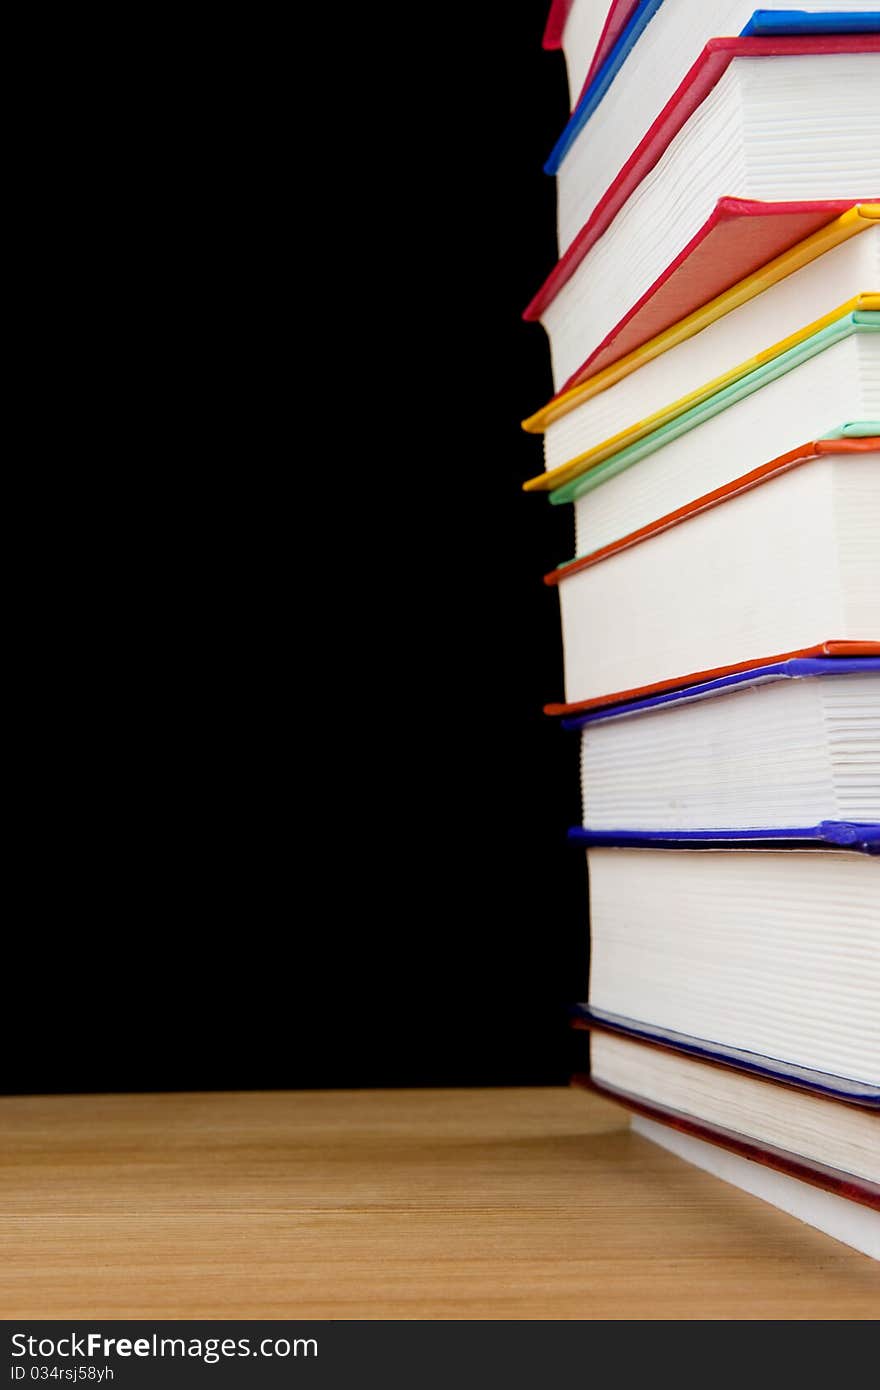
{"x": 827, "y": 835}
{"x": 767, "y": 24}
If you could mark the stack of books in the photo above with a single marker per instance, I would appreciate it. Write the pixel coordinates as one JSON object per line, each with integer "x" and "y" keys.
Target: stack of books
{"x": 714, "y": 325}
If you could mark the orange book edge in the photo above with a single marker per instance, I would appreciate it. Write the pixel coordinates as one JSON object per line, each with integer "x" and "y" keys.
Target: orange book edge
{"x": 857, "y": 219}
{"x": 833, "y": 647}
{"x": 870, "y": 444}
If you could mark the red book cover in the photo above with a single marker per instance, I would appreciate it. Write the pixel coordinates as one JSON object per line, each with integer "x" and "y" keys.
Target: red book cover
{"x": 556, "y": 22}
{"x": 738, "y": 238}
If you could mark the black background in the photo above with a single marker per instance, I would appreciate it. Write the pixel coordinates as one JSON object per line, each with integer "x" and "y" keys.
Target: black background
{"x": 291, "y": 814}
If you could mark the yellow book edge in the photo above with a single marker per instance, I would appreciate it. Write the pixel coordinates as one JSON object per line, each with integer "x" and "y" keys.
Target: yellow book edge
{"x": 854, "y": 220}
{"x": 573, "y": 468}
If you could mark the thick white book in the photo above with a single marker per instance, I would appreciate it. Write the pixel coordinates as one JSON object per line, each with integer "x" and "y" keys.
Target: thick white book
{"x": 821, "y": 1133}
{"x": 769, "y": 958}
{"x": 776, "y": 753}
{"x": 788, "y": 566}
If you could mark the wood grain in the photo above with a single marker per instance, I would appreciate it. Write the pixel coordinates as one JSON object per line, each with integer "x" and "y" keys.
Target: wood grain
{"x": 398, "y": 1204}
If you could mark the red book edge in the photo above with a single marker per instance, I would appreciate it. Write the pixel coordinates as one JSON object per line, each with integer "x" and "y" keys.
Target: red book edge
{"x": 804, "y": 453}
{"x": 854, "y": 1189}
{"x": 833, "y": 647}
{"x": 618, "y": 17}
{"x": 556, "y": 22}
{"x": 698, "y": 82}
{"x": 616, "y": 20}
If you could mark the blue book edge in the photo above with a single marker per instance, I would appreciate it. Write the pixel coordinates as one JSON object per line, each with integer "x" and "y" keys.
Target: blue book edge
{"x": 829, "y": 834}
{"x": 771, "y": 1069}
{"x": 590, "y": 98}
{"x": 763, "y": 24}
{"x": 797, "y": 668}
{"x": 768, "y": 23}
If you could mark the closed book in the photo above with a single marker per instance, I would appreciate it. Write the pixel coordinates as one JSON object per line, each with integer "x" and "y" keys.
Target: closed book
{"x": 743, "y": 247}
{"x": 764, "y": 957}
{"x": 793, "y": 744}
{"x": 784, "y": 564}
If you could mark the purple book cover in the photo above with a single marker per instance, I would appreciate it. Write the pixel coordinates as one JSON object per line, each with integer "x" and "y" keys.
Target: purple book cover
{"x": 828, "y": 835}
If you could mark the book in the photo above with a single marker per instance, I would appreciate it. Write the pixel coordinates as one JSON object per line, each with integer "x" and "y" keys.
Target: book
{"x": 741, "y": 248}
{"x": 718, "y": 148}
{"x": 853, "y": 1223}
{"x": 843, "y": 386}
{"x": 658, "y": 46}
{"x": 808, "y": 276}
{"x": 789, "y": 745}
{"x": 732, "y": 585}
{"x": 824, "y": 1141}
{"x": 853, "y": 437}
{"x": 762, "y": 959}
{"x": 839, "y": 281}
{"x": 590, "y": 1018}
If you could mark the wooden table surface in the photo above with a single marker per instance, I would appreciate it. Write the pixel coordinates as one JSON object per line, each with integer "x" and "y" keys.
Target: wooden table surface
{"x": 388, "y": 1204}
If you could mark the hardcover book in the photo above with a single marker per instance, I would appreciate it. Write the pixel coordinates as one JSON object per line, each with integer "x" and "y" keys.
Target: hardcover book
{"x": 731, "y": 585}
{"x": 793, "y": 744}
